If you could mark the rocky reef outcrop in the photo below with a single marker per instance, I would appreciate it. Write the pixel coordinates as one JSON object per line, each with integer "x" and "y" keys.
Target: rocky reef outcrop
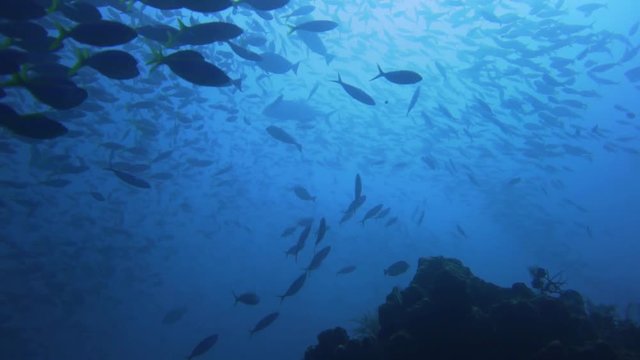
{"x": 447, "y": 313}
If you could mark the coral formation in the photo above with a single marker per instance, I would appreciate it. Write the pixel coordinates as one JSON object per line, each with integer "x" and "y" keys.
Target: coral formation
{"x": 448, "y": 313}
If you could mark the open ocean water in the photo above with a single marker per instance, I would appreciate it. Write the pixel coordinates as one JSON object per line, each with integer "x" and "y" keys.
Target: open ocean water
{"x": 182, "y": 170}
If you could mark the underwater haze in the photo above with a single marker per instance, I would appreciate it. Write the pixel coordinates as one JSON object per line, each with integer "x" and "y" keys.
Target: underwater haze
{"x": 212, "y": 179}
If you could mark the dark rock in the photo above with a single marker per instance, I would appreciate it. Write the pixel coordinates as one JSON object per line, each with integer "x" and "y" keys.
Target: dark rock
{"x": 447, "y": 313}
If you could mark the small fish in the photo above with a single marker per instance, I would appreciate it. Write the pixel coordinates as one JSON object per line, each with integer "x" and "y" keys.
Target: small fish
{"x": 318, "y": 258}
{"x": 346, "y": 270}
{"x": 401, "y": 77}
{"x": 264, "y": 322}
{"x": 391, "y": 221}
{"x": 355, "y": 92}
{"x": 174, "y": 315}
{"x": 322, "y": 230}
{"x": 461, "y": 231}
{"x": 414, "y": 100}
{"x": 514, "y": 181}
{"x": 205, "y": 345}
{"x": 303, "y": 194}
{"x": 247, "y": 298}
{"x": 397, "y": 268}
{"x": 371, "y": 213}
{"x": 315, "y": 26}
{"x": 130, "y": 179}
{"x": 288, "y": 231}
{"x": 295, "y": 286}
{"x": 97, "y": 196}
{"x": 358, "y": 188}
{"x": 282, "y": 136}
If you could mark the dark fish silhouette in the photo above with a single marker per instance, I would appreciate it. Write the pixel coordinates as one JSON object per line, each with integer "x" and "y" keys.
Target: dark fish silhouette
{"x": 355, "y": 92}
{"x": 318, "y": 258}
{"x": 174, "y": 315}
{"x": 346, "y": 270}
{"x": 30, "y": 126}
{"x": 358, "y": 188}
{"x": 130, "y": 179}
{"x": 264, "y": 322}
{"x": 315, "y": 26}
{"x": 205, "y": 345}
{"x": 371, "y": 213}
{"x": 281, "y": 135}
{"x": 295, "y": 286}
{"x": 247, "y": 298}
{"x": 402, "y": 77}
{"x": 303, "y": 194}
{"x": 322, "y": 230}
{"x": 114, "y": 64}
{"x": 397, "y": 268}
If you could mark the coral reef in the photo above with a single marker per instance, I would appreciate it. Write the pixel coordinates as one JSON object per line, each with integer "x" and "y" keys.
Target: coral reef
{"x": 448, "y": 313}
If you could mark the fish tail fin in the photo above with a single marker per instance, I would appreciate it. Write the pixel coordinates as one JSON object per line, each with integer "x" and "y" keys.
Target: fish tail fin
{"x": 55, "y": 5}
{"x": 62, "y": 34}
{"x": 292, "y": 29}
{"x": 237, "y": 83}
{"x": 380, "y": 73}
{"x": 329, "y": 58}
{"x": 235, "y": 297}
{"x": 295, "y": 67}
{"x": 82, "y": 55}
{"x": 156, "y": 59}
{"x": 282, "y": 298}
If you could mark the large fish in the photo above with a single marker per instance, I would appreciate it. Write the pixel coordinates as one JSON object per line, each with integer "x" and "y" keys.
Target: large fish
{"x": 397, "y": 268}
{"x": 318, "y": 258}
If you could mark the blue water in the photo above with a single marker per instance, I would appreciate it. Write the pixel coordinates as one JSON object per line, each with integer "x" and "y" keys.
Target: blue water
{"x": 87, "y": 279}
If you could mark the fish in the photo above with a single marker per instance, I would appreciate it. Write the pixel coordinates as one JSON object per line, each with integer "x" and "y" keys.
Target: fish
{"x": 266, "y": 5}
{"x": 174, "y": 315}
{"x": 80, "y": 11}
{"x": 191, "y": 66}
{"x": 461, "y": 231}
{"x": 295, "y": 110}
{"x": 397, "y": 268}
{"x": 21, "y": 10}
{"x": 401, "y": 77}
{"x": 244, "y": 53}
{"x": 371, "y": 213}
{"x": 303, "y": 194}
{"x": 114, "y": 64}
{"x": 413, "y": 100}
{"x": 322, "y": 230}
{"x": 247, "y": 298}
{"x": 58, "y": 92}
{"x": 205, "y": 33}
{"x": 295, "y": 286}
{"x": 355, "y": 92}
{"x": 282, "y": 136}
{"x": 276, "y": 64}
{"x": 97, "y": 196}
{"x": 358, "y": 187}
{"x": 382, "y": 214}
{"x": 314, "y": 26}
{"x": 264, "y": 322}
{"x": 130, "y": 179}
{"x": 288, "y": 231}
{"x": 203, "y": 346}
{"x": 346, "y": 270}
{"x": 514, "y": 181}
{"x": 101, "y": 33}
{"x": 391, "y": 221}
{"x": 318, "y": 258}
{"x": 35, "y": 126}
